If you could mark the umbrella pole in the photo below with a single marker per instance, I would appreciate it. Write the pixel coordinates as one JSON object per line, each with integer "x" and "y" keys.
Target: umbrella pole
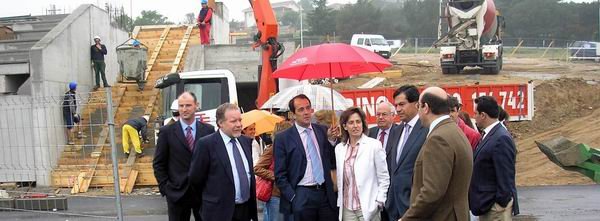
{"x": 331, "y": 87}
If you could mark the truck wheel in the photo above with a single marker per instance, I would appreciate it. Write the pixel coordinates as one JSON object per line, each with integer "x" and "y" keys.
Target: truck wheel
{"x": 492, "y": 70}
{"x": 450, "y": 70}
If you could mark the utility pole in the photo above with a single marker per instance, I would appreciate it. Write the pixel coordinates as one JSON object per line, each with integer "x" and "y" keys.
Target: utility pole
{"x": 302, "y": 29}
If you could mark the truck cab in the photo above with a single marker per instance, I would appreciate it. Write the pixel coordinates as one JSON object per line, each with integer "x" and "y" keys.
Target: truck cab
{"x": 211, "y": 87}
{"x": 374, "y": 43}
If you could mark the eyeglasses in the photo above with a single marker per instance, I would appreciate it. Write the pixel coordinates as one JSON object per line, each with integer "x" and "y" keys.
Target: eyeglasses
{"x": 384, "y": 114}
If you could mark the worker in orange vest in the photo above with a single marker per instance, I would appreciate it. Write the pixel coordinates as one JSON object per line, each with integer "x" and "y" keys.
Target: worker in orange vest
{"x": 204, "y": 22}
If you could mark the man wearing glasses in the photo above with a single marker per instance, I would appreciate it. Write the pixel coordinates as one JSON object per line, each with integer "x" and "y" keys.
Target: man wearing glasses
{"x": 386, "y": 115}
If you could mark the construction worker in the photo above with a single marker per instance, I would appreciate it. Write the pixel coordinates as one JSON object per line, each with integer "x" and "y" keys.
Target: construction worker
{"x": 132, "y": 130}
{"x": 174, "y": 112}
{"x": 70, "y": 112}
{"x": 98, "y": 51}
{"x": 204, "y": 22}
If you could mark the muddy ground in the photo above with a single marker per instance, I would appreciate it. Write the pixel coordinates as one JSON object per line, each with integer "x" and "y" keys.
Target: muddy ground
{"x": 567, "y": 103}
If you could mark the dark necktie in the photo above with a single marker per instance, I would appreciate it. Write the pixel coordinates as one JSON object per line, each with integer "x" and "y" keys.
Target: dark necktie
{"x": 189, "y": 137}
{"x": 382, "y": 138}
{"x": 241, "y": 171}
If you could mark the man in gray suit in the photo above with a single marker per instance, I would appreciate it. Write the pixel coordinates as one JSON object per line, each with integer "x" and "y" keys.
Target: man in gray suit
{"x": 386, "y": 115}
{"x": 405, "y": 143}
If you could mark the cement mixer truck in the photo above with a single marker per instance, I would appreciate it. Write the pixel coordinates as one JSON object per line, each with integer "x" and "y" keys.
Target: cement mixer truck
{"x": 473, "y": 36}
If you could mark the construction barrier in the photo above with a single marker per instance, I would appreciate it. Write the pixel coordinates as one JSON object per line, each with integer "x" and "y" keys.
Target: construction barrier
{"x": 516, "y": 99}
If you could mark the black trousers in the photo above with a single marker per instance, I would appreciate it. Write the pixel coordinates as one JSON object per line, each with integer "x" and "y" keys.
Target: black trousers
{"x": 311, "y": 204}
{"x": 241, "y": 212}
{"x": 183, "y": 209}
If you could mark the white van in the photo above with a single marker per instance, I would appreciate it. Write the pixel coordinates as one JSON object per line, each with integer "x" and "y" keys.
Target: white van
{"x": 374, "y": 43}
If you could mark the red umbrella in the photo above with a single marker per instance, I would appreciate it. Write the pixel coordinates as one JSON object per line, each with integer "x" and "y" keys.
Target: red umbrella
{"x": 334, "y": 60}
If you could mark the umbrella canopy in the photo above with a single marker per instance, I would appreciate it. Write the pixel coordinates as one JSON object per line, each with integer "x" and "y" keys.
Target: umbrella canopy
{"x": 264, "y": 120}
{"x": 320, "y": 98}
{"x": 334, "y": 60}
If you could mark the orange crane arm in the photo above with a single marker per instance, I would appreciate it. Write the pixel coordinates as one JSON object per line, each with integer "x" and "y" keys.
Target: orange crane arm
{"x": 266, "y": 39}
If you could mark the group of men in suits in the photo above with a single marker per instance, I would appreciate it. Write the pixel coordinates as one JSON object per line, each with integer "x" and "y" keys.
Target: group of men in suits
{"x": 433, "y": 171}
{"x": 205, "y": 172}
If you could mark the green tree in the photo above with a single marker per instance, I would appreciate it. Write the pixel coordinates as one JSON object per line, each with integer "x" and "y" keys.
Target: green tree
{"x": 124, "y": 22}
{"x": 151, "y": 17}
{"x": 322, "y": 19}
{"x": 290, "y": 18}
{"x": 362, "y": 17}
{"x": 306, "y": 5}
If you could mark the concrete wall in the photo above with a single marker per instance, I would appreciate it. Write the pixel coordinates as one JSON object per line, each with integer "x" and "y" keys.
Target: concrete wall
{"x": 32, "y": 133}
{"x": 242, "y": 60}
{"x": 220, "y": 26}
{"x": 63, "y": 55}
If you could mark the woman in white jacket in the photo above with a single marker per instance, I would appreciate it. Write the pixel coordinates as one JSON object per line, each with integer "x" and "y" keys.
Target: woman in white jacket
{"x": 362, "y": 174}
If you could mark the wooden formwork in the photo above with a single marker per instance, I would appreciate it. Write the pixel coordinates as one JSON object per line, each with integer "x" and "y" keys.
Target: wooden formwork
{"x": 168, "y": 46}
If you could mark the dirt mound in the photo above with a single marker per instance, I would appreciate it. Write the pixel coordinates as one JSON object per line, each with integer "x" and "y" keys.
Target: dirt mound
{"x": 564, "y": 107}
{"x": 558, "y": 102}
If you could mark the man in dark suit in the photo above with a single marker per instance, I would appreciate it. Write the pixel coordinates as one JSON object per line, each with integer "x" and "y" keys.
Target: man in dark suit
{"x": 386, "y": 114}
{"x": 405, "y": 143}
{"x": 443, "y": 167}
{"x": 222, "y": 171}
{"x": 303, "y": 160}
{"x": 493, "y": 194}
{"x": 172, "y": 159}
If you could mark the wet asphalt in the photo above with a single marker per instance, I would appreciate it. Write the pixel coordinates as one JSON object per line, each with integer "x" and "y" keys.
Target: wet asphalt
{"x": 552, "y": 203}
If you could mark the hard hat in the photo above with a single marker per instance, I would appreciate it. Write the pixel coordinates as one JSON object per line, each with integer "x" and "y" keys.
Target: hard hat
{"x": 73, "y": 85}
{"x": 175, "y": 105}
{"x": 147, "y": 118}
{"x": 136, "y": 43}
{"x": 97, "y": 37}
{"x": 204, "y": 1}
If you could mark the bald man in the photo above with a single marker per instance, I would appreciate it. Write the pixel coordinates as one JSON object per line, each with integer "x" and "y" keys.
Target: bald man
{"x": 443, "y": 167}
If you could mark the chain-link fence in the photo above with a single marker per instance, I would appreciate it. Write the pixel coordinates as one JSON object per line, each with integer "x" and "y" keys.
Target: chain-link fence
{"x": 559, "y": 49}
{"x": 57, "y": 157}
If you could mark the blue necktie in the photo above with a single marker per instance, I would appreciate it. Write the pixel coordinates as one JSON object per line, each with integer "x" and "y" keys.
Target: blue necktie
{"x": 317, "y": 167}
{"x": 241, "y": 171}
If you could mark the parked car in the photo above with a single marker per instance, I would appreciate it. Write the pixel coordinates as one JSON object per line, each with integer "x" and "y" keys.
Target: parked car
{"x": 374, "y": 43}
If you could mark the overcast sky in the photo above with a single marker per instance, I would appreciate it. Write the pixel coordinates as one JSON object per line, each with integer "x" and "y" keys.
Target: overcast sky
{"x": 174, "y": 9}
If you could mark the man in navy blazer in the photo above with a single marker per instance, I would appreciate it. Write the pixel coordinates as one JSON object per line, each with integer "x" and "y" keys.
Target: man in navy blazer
{"x": 493, "y": 193}
{"x": 405, "y": 143}
{"x": 222, "y": 171}
{"x": 173, "y": 156}
{"x": 304, "y": 158}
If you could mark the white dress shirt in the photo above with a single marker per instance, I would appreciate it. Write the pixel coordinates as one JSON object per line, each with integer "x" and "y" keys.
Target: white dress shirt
{"x": 436, "y": 122}
{"x": 385, "y": 137}
{"x": 488, "y": 129}
{"x": 236, "y": 179}
{"x": 308, "y": 179}
{"x": 412, "y": 124}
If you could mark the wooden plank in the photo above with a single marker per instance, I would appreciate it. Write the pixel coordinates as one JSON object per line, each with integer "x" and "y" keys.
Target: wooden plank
{"x": 156, "y": 51}
{"x": 78, "y": 183}
{"x": 182, "y": 48}
{"x": 127, "y": 172}
{"x": 131, "y": 181}
{"x": 100, "y": 146}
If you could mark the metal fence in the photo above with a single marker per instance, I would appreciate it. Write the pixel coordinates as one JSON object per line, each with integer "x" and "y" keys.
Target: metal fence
{"x": 47, "y": 167}
{"x": 513, "y": 47}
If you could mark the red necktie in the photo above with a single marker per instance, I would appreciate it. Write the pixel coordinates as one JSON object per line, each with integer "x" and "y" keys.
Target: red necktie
{"x": 382, "y": 138}
{"x": 189, "y": 138}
